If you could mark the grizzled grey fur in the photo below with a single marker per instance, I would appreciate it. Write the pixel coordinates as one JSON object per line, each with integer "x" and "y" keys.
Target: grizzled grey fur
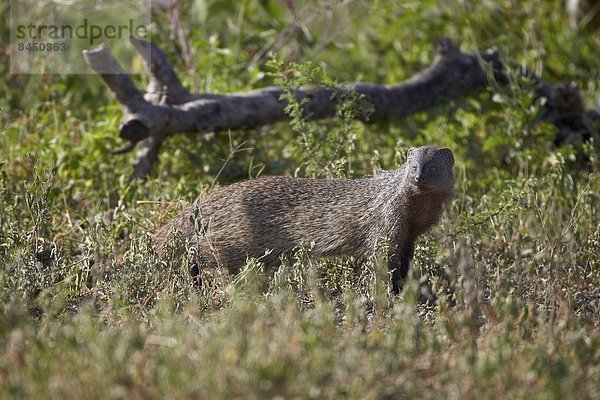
{"x": 341, "y": 216}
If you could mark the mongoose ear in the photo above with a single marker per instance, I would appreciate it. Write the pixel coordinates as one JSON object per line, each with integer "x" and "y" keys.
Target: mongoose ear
{"x": 448, "y": 155}
{"x": 411, "y": 152}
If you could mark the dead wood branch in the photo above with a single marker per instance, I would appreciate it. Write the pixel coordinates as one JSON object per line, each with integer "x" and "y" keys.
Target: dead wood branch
{"x": 168, "y": 107}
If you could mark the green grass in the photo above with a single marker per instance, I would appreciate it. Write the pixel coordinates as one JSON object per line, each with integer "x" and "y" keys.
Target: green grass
{"x": 87, "y": 310}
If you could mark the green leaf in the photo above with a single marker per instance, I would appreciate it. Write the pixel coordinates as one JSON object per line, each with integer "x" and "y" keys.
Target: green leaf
{"x": 495, "y": 141}
{"x": 273, "y": 8}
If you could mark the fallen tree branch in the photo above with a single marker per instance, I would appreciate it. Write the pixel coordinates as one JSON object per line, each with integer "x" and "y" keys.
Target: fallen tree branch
{"x": 168, "y": 108}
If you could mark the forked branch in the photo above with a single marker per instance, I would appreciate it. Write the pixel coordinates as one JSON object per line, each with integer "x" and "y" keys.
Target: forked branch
{"x": 168, "y": 108}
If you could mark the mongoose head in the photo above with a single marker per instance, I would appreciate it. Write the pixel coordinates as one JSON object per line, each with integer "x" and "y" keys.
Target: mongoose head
{"x": 430, "y": 168}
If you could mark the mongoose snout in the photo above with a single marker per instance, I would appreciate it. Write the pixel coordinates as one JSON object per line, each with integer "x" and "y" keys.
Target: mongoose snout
{"x": 269, "y": 216}
{"x": 430, "y": 169}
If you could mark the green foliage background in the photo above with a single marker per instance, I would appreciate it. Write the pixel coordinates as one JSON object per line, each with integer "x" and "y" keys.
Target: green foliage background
{"x": 88, "y": 310}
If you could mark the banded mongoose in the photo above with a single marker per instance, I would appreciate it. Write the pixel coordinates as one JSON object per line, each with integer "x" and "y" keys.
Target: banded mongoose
{"x": 339, "y": 216}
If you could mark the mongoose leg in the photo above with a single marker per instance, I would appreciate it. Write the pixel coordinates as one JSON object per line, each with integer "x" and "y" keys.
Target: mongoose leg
{"x": 195, "y": 275}
{"x": 198, "y": 262}
{"x": 399, "y": 264}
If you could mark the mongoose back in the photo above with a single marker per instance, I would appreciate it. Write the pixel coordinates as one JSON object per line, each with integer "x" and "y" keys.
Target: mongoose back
{"x": 340, "y": 216}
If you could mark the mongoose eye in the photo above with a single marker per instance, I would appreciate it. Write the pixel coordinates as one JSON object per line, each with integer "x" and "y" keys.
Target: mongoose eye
{"x": 414, "y": 167}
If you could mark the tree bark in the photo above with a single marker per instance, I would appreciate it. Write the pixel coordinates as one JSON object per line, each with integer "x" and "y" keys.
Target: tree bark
{"x": 168, "y": 108}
